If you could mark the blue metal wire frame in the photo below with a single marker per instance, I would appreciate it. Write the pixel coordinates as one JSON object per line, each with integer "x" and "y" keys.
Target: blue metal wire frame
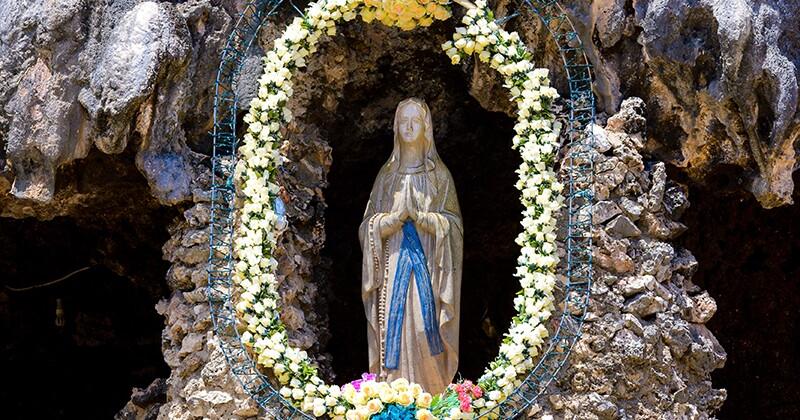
{"x": 220, "y": 263}
{"x": 579, "y": 168}
{"x": 579, "y": 174}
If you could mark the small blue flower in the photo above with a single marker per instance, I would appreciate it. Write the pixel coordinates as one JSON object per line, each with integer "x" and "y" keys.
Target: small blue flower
{"x": 396, "y": 412}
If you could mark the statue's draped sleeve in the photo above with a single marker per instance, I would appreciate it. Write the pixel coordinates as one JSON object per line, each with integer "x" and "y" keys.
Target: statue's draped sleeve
{"x": 372, "y": 257}
{"x": 445, "y": 224}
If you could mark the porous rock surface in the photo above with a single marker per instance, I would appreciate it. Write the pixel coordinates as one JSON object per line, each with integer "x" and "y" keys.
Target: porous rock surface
{"x": 644, "y": 351}
{"x": 719, "y": 77}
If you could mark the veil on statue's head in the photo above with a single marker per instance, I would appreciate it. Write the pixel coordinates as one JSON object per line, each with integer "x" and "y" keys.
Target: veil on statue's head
{"x": 431, "y": 158}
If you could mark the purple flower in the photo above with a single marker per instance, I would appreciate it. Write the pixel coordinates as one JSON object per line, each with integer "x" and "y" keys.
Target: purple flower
{"x": 356, "y": 384}
{"x": 365, "y": 377}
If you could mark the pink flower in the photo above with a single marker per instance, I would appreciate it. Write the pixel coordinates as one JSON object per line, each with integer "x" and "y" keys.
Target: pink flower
{"x": 466, "y": 407}
{"x": 477, "y": 392}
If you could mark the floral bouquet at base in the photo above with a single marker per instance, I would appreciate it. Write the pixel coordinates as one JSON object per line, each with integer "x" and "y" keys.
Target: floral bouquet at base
{"x": 399, "y": 399}
{"x": 457, "y": 401}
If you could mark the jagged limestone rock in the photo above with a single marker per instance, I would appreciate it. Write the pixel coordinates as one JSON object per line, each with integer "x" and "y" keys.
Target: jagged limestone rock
{"x": 720, "y": 80}
{"x": 644, "y": 352}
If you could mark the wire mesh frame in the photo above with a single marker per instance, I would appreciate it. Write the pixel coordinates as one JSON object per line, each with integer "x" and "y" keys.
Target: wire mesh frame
{"x": 579, "y": 167}
{"x": 220, "y": 260}
{"x": 580, "y": 179}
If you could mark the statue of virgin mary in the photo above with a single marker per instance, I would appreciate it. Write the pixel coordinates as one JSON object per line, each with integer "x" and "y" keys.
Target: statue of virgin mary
{"x": 412, "y": 241}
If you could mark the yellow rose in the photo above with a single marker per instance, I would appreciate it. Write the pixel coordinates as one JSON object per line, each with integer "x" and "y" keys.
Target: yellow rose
{"x": 400, "y": 384}
{"x": 406, "y": 25}
{"x": 416, "y": 10}
{"x": 360, "y": 398}
{"x": 415, "y": 389}
{"x": 367, "y": 14}
{"x": 387, "y": 394}
{"x": 387, "y": 20}
{"x": 370, "y": 389}
{"x": 441, "y": 13}
{"x": 405, "y": 398}
{"x": 424, "y": 414}
{"x": 424, "y": 400}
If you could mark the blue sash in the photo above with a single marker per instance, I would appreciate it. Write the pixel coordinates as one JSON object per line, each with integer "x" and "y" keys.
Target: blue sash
{"x": 412, "y": 257}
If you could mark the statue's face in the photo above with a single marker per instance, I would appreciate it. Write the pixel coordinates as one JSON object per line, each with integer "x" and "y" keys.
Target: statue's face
{"x": 411, "y": 124}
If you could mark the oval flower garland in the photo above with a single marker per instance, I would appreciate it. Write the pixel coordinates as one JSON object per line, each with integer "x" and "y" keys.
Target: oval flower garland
{"x": 255, "y": 237}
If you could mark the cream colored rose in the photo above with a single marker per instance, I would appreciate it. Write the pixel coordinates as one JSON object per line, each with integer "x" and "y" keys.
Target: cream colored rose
{"x": 424, "y": 400}
{"x": 370, "y": 389}
{"x": 415, "y": 389}
{"x": 387, "y": 394}
{"x": 363, "y": 413}
{"x": 349, "y": 393}
{"x": 400, "y": 384}
{"x": 360, "y": 398}
{"x": 297, "y": 394}
{"x": 405, "y": 398}
{"x": 382, "y": 387}
{"x": 424, "y": 414}
{"x": 374, "y": 406}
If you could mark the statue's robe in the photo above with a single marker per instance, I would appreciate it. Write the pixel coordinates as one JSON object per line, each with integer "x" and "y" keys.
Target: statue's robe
{"x": 440, "y": 231}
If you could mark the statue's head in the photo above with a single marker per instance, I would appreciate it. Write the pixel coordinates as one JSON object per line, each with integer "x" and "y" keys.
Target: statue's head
{"x": 410, "y": 122}
{"x": 413, "y": 124}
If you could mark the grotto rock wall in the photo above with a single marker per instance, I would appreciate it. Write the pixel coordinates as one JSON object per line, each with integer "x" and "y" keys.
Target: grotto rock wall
{"x": 720, "y": 79}
{"x": 645, "y": 351}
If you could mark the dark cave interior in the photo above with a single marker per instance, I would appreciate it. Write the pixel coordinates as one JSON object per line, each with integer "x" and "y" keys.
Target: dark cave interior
{"x": 749, "y": 263}
{"x": 110, "y": 340}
